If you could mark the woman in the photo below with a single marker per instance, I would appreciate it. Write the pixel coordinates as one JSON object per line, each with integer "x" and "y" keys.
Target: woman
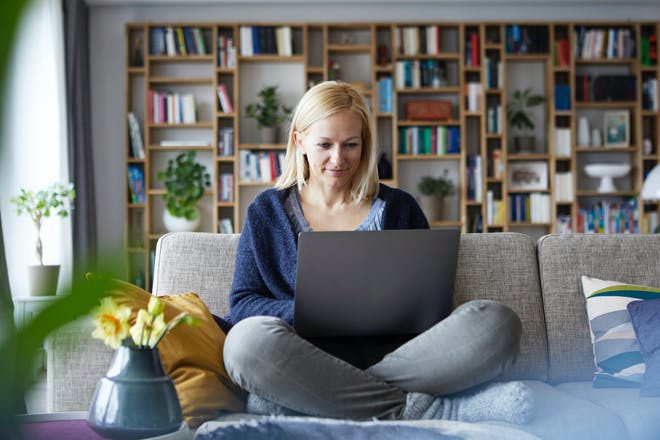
{"x": 330, "y": 182}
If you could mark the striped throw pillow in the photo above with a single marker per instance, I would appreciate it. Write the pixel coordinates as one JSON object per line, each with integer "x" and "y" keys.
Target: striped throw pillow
{"x": 617, "y": 356}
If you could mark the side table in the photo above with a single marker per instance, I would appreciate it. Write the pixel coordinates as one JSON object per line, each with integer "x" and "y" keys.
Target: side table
{"x": 25, "y": 308}
{"x": 73, "y": 426}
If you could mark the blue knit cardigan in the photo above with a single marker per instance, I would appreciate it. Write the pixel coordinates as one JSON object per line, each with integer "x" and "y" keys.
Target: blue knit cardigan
{"x": 265, "y": 275}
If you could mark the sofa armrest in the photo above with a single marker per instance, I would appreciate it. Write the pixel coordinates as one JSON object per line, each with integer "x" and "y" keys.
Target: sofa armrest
{"x": 75, "y": 363}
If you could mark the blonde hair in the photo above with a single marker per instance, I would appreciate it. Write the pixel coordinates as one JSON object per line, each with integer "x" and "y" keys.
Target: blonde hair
{"x": 319, "y": 102}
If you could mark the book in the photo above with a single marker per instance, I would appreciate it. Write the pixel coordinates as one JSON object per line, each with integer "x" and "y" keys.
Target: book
{"x": 225, "y": 226}
{"x": 284, "y": 45}
{"x": 474, "y": 50}
{"x": 137, "y": 145}
{"x": 225, "y": 101}
{"x": 226, "y": 141}
{"x": 187, "y": 106}
{"x": 170, "y": 45}
{"x": 157, "y": 41}
{"x": 563, "y": 142}
{"x": 136, "y": 184}
{"x": 473, "y": 96}
{"x": 198, "y": 38}
{"x": 225, "y": 187}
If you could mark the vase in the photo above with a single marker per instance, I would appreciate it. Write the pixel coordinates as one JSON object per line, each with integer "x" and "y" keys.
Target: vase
{"x": 596, "y": 140}
{"x": 583, "y": 132}
{"x": 43, "y": 279}
{"x": 432, "y": 206}
{"x": 136, "y": 398}
{"x": 524, "y": 144}
{"x": 180, "y": 224}
{"x": 269, "y": 135}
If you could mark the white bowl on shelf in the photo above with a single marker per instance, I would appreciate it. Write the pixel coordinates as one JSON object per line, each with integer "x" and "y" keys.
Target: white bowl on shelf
{"x": 607, "y": 172}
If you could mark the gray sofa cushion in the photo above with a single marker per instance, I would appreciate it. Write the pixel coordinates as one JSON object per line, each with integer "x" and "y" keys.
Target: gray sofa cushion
{"x": 641, "y": 415}
{"x": 562, "y": 260}
{"x": 502, "y": 267}
{"x": 199, "y": 262}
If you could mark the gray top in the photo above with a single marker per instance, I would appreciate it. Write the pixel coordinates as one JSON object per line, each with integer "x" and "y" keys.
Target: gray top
{"x": 373, "y": 221}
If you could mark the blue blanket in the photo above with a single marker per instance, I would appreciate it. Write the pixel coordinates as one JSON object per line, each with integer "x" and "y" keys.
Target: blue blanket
{"x": 247, "y": 426}
{"x": 283, "y": 429}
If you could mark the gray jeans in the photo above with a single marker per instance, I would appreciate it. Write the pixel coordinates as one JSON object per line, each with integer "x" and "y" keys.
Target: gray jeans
{"x": 475, "y": 344}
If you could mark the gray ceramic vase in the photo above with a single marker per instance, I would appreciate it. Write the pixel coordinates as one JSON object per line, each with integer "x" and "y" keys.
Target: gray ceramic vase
{"x": 136, "y": 398}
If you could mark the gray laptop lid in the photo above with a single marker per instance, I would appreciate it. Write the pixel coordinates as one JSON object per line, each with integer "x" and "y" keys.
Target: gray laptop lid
{"x": 369, "y": 283}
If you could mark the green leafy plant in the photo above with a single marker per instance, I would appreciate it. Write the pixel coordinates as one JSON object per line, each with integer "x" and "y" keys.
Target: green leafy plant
{"x": 436, "y": 186}
{"x": 38, "y": 205}
{"x": 185, "y": 180}
{"x": 269, "y": 112}
{"x": 518, "y": 109}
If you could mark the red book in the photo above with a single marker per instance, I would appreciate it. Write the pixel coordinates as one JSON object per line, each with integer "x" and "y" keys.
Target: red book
{"x": 150, "y": 107}
{"x": 474, "y": 52}
{"x": 273, "y": 165}
{"x": 434, "y": 140}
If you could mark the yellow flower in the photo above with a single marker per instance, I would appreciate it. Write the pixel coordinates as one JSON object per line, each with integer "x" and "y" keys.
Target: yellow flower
{"x": 148, "y": 329}
{"x": 111, "y": 322}
{"x": 155, "y": 306}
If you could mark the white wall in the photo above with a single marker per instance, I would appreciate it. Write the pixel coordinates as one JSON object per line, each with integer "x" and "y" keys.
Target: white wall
{"x": 107, "y": 55}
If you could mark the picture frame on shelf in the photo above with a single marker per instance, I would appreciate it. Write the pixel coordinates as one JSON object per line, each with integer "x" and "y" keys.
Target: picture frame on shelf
{"x": 616, "y": 128}
{"x": 528, "y": 176}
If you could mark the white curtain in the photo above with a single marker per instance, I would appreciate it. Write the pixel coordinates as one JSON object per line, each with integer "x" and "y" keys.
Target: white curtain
{"x": 34, "y": 140}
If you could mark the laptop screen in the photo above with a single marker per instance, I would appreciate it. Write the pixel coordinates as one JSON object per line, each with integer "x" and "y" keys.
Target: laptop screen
{"x": 374, "y": 283}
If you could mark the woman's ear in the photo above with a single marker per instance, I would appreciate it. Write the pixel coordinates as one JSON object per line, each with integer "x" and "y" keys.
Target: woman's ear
{"x": 298, "y": 140}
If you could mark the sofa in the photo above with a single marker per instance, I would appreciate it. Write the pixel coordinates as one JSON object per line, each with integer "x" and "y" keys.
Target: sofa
{"x": 540, "y": 281}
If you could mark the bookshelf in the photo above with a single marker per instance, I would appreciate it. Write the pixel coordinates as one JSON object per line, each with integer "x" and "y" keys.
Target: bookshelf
{"x": 471, "y": 67}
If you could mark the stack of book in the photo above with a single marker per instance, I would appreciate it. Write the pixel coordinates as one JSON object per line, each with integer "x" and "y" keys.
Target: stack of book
{"x": 260, "y": 166}
{"x": 171, "y": 108}
{"x": 609, "y": 43}
{"x": 607, "y": 217}
{"x": 564, "y": 186}
{"x": 530, "y": 208}
{"x": 436, "y": 140}
{"x": 266, "y": 40}
{"x": 563, "y": 142}
{"x": 226, "y": 141}
{"x": 414, "y": 40}
{"x": 385, "y": 94}
{"x": 177, "y": 40}
{"x": 226, "y": 187}
{"x": 474, "y": 178}
{"x": 226, "y": 51}
{"x": 137, "y": 145}
{"x": 136, "y": 184}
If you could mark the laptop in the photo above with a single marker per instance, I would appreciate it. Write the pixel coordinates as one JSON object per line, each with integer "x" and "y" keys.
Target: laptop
{"x": 374, "y": 283}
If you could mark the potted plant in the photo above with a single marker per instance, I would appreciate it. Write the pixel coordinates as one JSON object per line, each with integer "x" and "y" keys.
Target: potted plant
{"x": 185, "y": 180}
{"x": 518, "y": 111}
{"x": 433, "y": 192}
{"x": 39, "y": 205}
{"x": 269, "y": 113}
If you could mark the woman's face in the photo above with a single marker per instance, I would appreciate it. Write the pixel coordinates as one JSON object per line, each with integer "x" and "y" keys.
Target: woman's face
{"x": 333, "y": 147}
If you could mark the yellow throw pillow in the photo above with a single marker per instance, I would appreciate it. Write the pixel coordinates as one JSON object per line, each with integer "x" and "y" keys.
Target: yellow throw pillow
{"x": 192, "y": 356}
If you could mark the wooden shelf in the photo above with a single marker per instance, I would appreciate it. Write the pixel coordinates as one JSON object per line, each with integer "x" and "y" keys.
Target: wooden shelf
{"x": 317, "y": 44}
{"x": 428, "y": 156}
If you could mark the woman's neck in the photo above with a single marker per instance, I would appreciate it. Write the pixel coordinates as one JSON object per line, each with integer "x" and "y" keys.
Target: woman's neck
{"x": 326, "y": 197}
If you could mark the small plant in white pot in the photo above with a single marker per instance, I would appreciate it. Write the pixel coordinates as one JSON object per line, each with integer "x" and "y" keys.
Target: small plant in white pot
{"x": 269, "y": 113}
{"x": 433, "y": 191}
{"x": 39, "y": 205}
{"x": 185, "y": 180}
